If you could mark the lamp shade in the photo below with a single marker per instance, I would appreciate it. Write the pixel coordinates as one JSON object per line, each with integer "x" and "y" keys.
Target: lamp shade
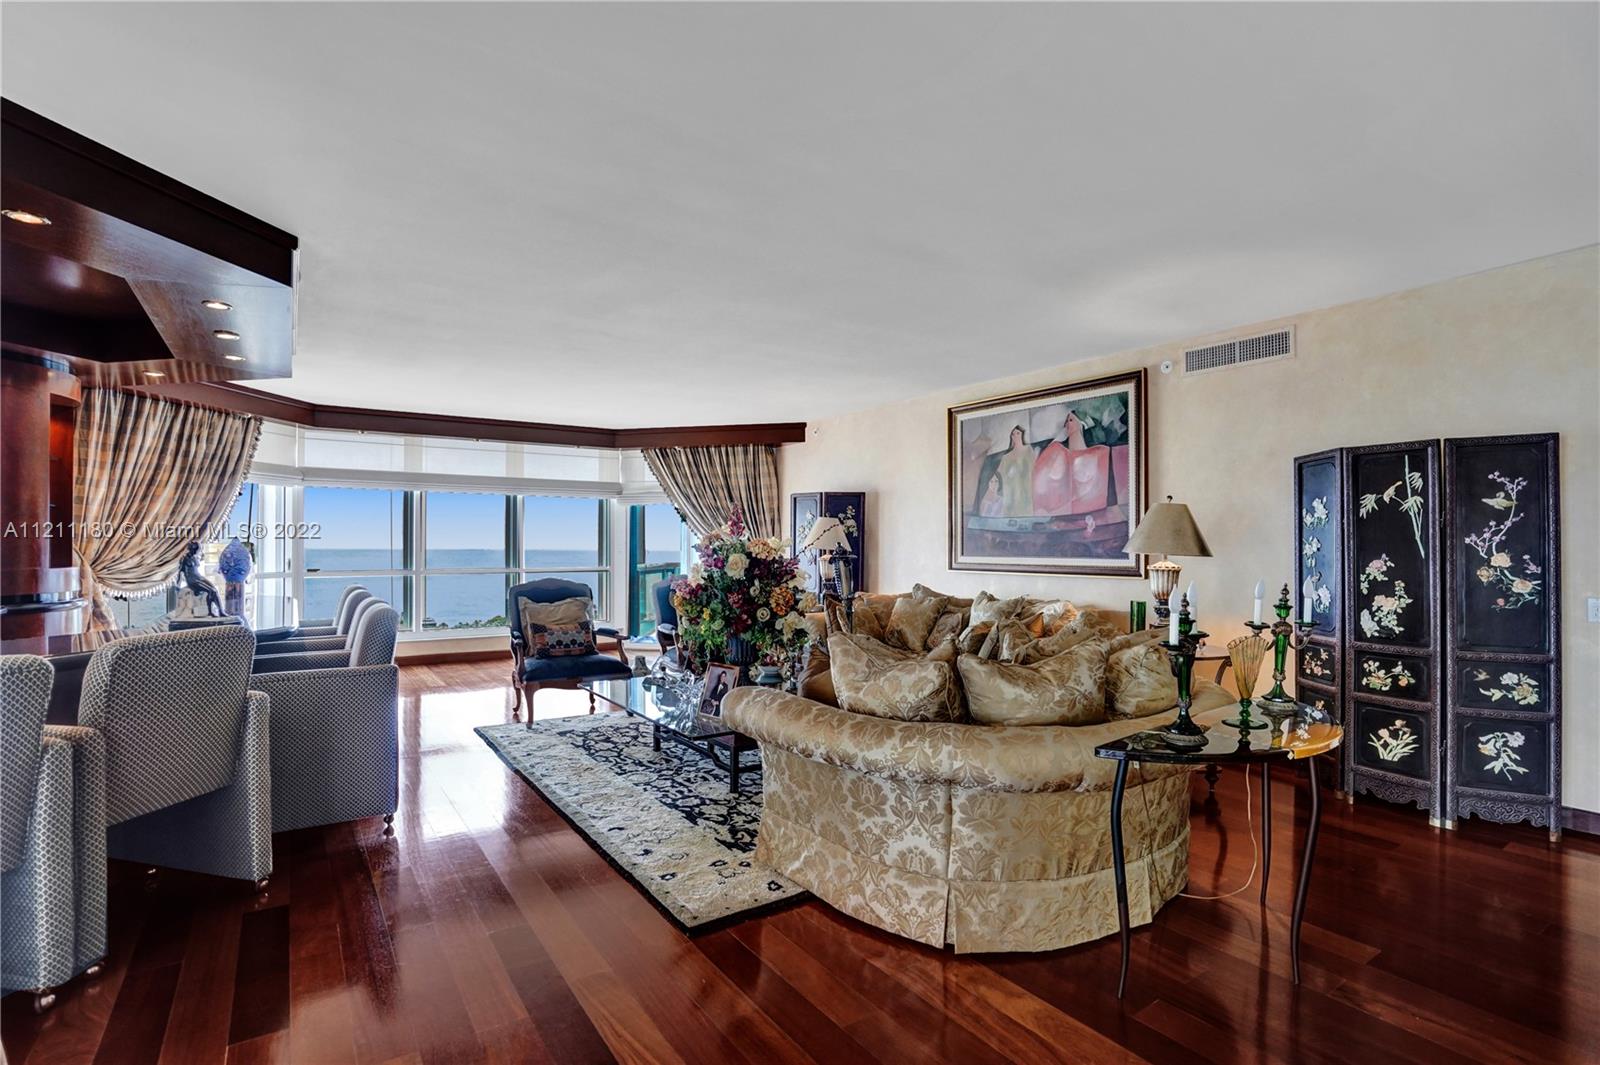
{"x": 826, "y": 534}
{"x": 1168, "y": 529}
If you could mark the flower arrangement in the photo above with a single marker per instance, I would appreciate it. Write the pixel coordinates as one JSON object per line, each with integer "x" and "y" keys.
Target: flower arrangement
{"x": 742, "y": 588}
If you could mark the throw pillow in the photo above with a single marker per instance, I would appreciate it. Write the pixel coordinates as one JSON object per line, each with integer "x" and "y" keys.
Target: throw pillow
{"x": 1065, "y": 689}
{"x": 1046, "y": 617}
{"x": 816, "y": 678}
{"x": 1139, "y": 681}
{"x": 873, "y": 678}
{"x": 1049, "y": 646}
{"x": 986, "y": 613}
{"x": 949, "y": 625}
{"x": 910, "y": 622}
{"x": 922, "y": 591}
{"x": 563, "y": 613}
{"x": 561, "y": 641}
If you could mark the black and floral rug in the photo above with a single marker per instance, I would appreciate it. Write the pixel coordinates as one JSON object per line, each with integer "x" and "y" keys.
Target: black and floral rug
{"x": 664, "y": 818}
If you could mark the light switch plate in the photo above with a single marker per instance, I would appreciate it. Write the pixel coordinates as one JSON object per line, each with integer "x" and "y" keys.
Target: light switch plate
{"x": 1594, "y": 610}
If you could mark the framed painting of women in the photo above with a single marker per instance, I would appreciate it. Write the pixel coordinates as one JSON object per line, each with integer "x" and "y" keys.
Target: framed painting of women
{"x": 1050, "y": 481}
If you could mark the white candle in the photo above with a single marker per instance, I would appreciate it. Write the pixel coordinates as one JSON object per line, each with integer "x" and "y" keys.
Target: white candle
{"x": 1188, "y": 593}
{"x": 1172, "y": 626}
{"x": 1255, "y": 614}
{"x": 1305, "y": 611}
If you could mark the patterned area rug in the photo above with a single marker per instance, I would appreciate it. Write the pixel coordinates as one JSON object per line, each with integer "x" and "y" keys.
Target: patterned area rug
{"x": 664, "y": 818}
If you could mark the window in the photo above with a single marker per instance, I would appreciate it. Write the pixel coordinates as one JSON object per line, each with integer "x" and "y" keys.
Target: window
{"x": 356, "y": 536}
{"x": 468, "y": 566}
{"x": 567, "y": 538}
{"x": 658, "y": 549}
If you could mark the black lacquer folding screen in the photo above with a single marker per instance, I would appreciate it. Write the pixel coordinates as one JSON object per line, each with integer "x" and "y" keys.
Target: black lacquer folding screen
{"x": 1435, "y": 588}
{"x": 1503, "y": 629}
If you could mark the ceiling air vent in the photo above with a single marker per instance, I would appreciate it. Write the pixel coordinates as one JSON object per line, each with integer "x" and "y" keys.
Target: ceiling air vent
{"x": 1275, "y": 345}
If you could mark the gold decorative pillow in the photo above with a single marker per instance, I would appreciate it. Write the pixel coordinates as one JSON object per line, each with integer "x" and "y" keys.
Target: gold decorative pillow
{"x": 873, "y": 678}
{"x": 949, "y": 625}
{"x": 987, "y": 612}
{"x": 910, "y": 622}
{"x": 870, "y": 614}
{"x": 1065, "y": 689}
{"x": 816, "y": 678}
{"x": 922, "y": 591}
{"x": 1134, "y": 639}
{"x": 562, "y": 614}
{"x": 1139, "y": 681}
{"x": 1067, "y": 638}
{"x": 1046, "y": 617}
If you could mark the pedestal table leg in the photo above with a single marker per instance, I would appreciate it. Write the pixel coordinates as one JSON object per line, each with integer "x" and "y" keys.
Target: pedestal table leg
{"x": 1305, "y": 867}
{"x": 1119, "y": 868}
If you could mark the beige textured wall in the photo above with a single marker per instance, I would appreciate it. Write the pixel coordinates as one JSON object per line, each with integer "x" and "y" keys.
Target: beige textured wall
{"x": 1512, "y": 350}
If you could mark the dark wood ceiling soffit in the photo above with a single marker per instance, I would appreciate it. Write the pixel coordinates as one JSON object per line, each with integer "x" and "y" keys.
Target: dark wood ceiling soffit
{"x": 322, "y": 416}
{"x": 114, "y": 284}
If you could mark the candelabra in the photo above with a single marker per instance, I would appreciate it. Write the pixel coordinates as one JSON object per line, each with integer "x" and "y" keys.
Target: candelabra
{"x": 1184, "y": 732}
{"x": 1277, "y": 704}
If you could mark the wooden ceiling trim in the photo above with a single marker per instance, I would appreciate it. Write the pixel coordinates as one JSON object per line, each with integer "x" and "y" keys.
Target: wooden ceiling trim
{"x": 49, "y": 155}
{"x": 359, "y": 419}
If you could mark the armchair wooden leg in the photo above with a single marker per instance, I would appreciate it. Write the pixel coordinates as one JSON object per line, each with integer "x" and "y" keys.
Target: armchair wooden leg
{"x": 591, "y": 699}
{"x": 527, "y": 697}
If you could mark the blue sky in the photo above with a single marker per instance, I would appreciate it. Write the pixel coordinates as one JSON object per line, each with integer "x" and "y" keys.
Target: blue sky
{"x": 371, "y": 518}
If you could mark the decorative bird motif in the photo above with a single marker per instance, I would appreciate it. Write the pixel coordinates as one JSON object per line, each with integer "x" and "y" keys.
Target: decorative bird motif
{"x": 1499, "y": 501}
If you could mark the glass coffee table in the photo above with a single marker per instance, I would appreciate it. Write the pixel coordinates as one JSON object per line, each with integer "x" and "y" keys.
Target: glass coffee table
{"x": 678, "y": 720}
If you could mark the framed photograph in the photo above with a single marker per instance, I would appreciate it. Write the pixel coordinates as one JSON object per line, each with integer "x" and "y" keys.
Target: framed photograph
{"x": 720, "y": 680}
{"x": 1051, "y": 481}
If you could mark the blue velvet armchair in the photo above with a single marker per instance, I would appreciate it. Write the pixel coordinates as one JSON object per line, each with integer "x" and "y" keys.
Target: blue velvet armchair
{"x": 529, "y": 673}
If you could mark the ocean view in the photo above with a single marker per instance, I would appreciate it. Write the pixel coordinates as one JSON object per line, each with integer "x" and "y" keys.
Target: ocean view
{"x": 453, "y": 600}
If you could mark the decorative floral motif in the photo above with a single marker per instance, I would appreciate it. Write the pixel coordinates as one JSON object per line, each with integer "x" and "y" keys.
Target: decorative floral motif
{"x": 1316, "y": 664}
{"x": 1519, "y": 688}
{"x": 1382, "y": 616}
{"x": 1394, "y": 742}
{"x": 1310, "y": 547}
{"x": 1317, "y": 516}
{"x": 1379, "y": 679}
{"x": 1514, "y": 590}
{"x": 1500, "y": 749}
{"x": 1410, "y": 504}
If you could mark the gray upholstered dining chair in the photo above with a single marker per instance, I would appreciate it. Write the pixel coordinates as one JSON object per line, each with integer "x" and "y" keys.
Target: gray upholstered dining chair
{"x": 370, "y": 643}
{"x": 339, "y": 624}
{"x": 529, "y": 673}
{"x": 335, "y": 732}
{"x": 52, "y": 839}
{"x": 188, "y": 774}
{"x": 357, "y": 606}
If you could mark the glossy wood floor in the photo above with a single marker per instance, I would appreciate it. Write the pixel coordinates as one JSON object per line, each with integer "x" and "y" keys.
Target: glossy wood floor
{"x": 486, "y": 929}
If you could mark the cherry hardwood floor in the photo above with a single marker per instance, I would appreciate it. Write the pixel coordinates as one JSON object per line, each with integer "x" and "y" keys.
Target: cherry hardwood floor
{"x": 486, "y": 929}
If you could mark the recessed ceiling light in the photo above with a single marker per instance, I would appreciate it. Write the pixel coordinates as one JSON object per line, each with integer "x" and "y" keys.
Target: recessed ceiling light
{"x": 154, "y": 373}
{"x": 234, "y": 358}
{"x": 25, "y": 217}
{"x": 225, "y": 334}
{"x": 216, "y": 305}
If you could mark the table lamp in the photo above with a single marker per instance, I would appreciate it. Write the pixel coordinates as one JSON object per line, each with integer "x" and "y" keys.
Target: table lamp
{"x": 1168, "y": 529}
{"x": 827, "y": 540}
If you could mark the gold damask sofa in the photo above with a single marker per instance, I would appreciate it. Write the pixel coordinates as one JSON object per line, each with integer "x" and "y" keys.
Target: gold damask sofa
{"x": 983, "y": 837}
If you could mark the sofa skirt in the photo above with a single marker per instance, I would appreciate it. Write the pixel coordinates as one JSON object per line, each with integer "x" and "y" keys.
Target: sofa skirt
{"x": 979, "y": 870}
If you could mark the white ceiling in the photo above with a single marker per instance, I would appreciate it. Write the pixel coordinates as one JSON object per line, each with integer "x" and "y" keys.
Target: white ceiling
{"x": 625, "y": 215}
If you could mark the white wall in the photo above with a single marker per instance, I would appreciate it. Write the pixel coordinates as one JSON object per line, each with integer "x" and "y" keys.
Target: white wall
{"x": 1511, "y": 350}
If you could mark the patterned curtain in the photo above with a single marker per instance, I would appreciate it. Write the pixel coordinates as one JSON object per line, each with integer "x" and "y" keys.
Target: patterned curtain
{"x": 152, "y": 475}
{"x": 705, "y": 483}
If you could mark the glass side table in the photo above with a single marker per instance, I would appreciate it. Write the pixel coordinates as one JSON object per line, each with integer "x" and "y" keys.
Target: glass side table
{"x": 1309, "y": 735}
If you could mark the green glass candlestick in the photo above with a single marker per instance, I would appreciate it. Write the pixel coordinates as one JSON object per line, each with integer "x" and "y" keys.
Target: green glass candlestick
{"x": 1184, "y": 731}
{"x": 1277, "y": 704}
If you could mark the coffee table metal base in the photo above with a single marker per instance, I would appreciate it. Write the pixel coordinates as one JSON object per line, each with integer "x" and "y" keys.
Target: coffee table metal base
{"x": 725, "y": 756}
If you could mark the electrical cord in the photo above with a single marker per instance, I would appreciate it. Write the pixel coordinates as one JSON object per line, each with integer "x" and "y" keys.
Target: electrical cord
{"x": 1250, "y": 823}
